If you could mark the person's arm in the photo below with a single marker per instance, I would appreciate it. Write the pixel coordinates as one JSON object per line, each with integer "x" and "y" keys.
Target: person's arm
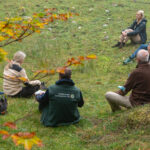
{"x": 81, "y": 101}
{"x": 132, "y": 25}
{"x": 137, "y": 30}
{"x": 129, "y": 85}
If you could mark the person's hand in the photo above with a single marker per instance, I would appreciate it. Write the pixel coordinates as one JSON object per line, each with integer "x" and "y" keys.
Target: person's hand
{"x": 120, "y": 92}
{"x": 37, "y": 82}
{"x": 124, "y": 33}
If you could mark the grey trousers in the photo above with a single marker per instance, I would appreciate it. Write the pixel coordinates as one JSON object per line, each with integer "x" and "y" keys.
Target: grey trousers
{"x": 115, "y": 100}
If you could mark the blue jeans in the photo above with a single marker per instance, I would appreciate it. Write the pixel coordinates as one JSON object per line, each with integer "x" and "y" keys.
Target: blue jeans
{"x": 142, "y": 46}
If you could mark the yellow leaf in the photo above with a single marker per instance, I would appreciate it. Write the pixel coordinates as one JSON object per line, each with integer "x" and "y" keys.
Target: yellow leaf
{"x": 92, "y": 56}
{"x": 2, "y": 38}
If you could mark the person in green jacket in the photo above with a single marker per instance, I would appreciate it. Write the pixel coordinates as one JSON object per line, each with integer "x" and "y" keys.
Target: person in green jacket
{"x": 60, "y": 101}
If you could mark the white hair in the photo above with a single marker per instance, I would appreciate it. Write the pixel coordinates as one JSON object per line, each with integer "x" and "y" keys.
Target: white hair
{"x": 141, "y": 12}
{"x": 19, "y": 56}
{"x": 143, "y": 55}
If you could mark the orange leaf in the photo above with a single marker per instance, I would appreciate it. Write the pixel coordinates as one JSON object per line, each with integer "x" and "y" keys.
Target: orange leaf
{"x": 10, "y": 125}
{"x": 52, "y": 72}
{"x": 23, "y": 79}
{"x": 61, "y": 70}
{"x": 82, "y": 58}
{"x": 27, "y": 139}
{"x": 5, "y": 134}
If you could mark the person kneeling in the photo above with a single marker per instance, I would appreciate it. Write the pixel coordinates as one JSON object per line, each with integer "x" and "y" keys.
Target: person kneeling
{"x": 59, "y": 103}
{"x": 138, "y": 82}
{"x": 14, "y": 87}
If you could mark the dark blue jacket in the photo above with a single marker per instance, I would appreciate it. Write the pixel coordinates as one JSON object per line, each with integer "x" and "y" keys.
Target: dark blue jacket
{"x": 139, "y": 29}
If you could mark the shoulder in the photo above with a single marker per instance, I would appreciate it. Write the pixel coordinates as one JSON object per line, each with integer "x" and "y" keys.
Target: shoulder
{"x": 76, "y": 88}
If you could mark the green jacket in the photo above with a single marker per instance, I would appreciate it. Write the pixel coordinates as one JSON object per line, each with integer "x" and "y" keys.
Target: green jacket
{"x": 59, "y": 104}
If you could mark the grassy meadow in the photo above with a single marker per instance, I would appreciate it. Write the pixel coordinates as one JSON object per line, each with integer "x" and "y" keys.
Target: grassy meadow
{"x": 94, "y": 31}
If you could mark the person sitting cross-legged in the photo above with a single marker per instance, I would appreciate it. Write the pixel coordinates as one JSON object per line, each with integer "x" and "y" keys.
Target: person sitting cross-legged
{"x": 59, "y": 103}
{"x": 138, "y": 83}
{"x": 12, "y": 85}
{"x": 142, "y": 46}
{"x": 136, "y": 32}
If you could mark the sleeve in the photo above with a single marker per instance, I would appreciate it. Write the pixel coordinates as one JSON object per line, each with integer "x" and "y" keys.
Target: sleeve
{"x": 130, "y": 83}
{"x": 81, "y": 101}
{"x": 43, "y": 98}
{"x": 137, "y": 30}
{"x": 132, "y": 25}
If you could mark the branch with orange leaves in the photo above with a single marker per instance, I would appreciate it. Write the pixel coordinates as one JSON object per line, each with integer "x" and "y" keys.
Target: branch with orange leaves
{"x": 70, "y": 62}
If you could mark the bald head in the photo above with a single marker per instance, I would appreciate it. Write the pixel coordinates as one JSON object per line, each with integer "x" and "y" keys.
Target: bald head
{"x": 66, "y": 75}
{"x": 143, "y": 56}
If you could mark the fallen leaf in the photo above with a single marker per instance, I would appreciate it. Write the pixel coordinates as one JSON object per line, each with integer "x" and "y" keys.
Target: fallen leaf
{"x": 10, "y": 125}
{"x": 27, "y": 139}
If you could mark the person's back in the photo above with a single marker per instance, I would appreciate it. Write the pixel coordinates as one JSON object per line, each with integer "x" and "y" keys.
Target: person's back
{"x": 11, "y": 85}
{"x": 59, "y": 104}
{"x": 62, "y": 107}
{"x": 141, "y": 85}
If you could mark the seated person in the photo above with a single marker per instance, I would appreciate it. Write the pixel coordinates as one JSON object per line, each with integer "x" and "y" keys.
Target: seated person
{"x": 59, "y": 104}
{"x": 138, "y": 82}
{"x": 12, "y": 86}
{"x": 142, "y": 46}
{"x": 136, "y": 32}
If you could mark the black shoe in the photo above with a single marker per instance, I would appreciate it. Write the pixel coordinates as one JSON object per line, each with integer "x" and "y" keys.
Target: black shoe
{"x": 116, "y": 45}
{"x": 121, "y": 45}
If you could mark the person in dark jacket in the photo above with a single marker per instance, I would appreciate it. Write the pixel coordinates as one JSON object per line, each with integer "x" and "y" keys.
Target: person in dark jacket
{"x": 136, "y": 32}
{"x": 142, "y": 46}
{"x": 138, "y": 81}
{"x": 59, "y": 103}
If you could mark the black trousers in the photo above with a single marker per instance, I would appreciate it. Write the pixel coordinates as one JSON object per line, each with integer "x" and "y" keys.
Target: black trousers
{"x": 27, "y": 91}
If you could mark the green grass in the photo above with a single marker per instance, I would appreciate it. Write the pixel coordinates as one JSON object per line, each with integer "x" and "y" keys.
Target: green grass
{"x": 99, "y": 129}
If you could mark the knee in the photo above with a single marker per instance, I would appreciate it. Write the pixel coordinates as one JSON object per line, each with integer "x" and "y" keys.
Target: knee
{"x": 108, "y": 95}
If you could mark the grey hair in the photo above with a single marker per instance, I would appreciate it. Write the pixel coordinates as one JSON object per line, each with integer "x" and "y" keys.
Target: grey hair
{"x": 19, "y": 56}
{"x": 141, "y": 12}
{"x": 143, "y": 55}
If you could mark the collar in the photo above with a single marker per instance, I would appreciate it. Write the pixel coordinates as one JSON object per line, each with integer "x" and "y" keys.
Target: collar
{"x": 142, "y": 64}
{"x": 16, "y": 63}
{"x": 65, "y": 82}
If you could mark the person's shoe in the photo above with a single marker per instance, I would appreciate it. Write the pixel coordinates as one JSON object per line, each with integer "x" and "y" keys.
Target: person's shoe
{"x": 125, "y": 62}
{"x": 116, "y": 45}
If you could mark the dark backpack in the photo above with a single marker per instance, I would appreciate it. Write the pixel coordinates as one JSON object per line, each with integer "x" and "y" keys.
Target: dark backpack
{"x": 3, "y": 104}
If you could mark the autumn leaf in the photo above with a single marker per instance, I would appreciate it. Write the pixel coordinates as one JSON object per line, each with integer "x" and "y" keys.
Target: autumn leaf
{"x": 81, "y": 58}
{"x": 52, "y": 72}
{"x": 22, "y": 79}
{"x": 10, "y": 125}
{"x": 61, "y": 70}
{"x": 2, "y": 38}
{"x": 5, "y": 134}
{"x": 92, "y": 56}
{"x": 27, "y": 139}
